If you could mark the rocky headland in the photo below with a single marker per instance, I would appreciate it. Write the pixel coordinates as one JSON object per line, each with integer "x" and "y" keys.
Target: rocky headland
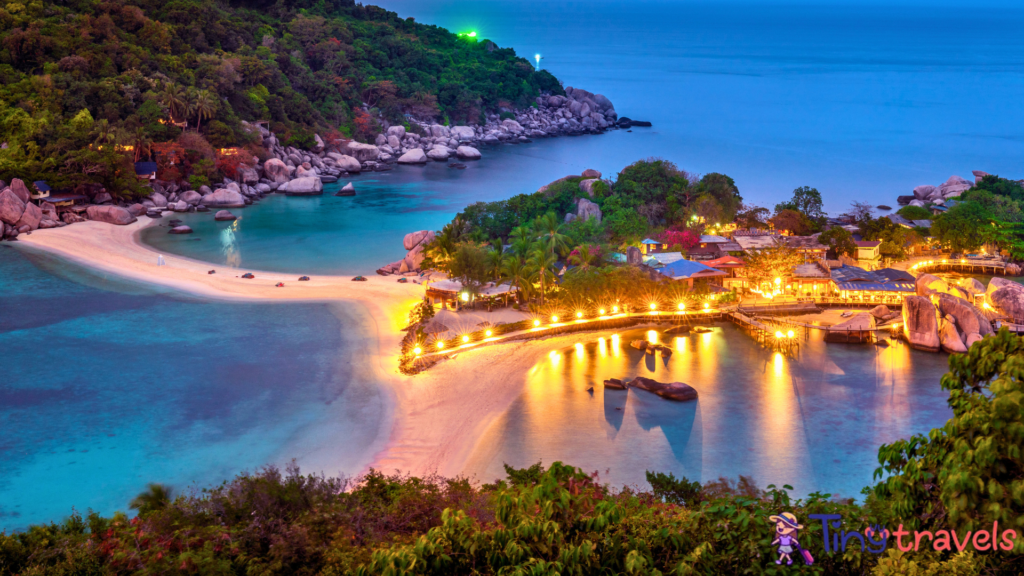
{"x": 294, "y": 172}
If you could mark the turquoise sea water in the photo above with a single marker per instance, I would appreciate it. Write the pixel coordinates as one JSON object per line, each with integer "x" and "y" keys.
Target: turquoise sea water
{"x": 107, "y": 386}
{"x": 862, "y": 102}
{"x": 814, "y": 420}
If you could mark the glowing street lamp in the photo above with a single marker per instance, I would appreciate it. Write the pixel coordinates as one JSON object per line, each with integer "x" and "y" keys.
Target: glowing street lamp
{"x": 417, "y": 350}
{"x": 682, "y": 306}
{"x": 654, "y": 306}
{"x": 536, "y": 323}
{"x": 488, "y": 333}
{"x": 440, "y": 345}
{"x": 778, "y": 335}
{"x": 465, "y": 296}
{"x": 601, "y": 311}
{"x": 579, "y": 315}
{"x": 554, "y": 319}
{"x": 465, "y": 339}
{"x": 789, "y": 334}
{"x": 615, "y": 309}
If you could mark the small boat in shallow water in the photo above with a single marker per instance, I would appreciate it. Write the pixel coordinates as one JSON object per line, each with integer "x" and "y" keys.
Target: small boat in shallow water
{"x": 700, "y": 330}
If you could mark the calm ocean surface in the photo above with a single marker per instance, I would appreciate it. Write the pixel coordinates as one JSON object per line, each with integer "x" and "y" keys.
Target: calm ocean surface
{"x": 863, "y": 103}
{"x": 110, "y": 385}
{"x": 814, "y": 420}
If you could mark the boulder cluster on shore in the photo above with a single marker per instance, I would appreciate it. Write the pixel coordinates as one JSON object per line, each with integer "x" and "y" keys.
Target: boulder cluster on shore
{"x": 295, "y": 172}
{"x": 926, "y": 194}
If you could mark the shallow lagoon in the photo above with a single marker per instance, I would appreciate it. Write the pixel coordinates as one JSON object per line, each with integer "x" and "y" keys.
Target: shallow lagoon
{"x": 814, "y": 420}
{"x": 108, "y": 386}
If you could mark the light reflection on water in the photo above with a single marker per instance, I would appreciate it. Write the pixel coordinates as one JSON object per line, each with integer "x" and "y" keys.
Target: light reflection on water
{"x": 813, "y": 420}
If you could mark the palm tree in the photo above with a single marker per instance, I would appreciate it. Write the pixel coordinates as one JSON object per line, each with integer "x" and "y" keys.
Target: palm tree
{"x": 582, "y": 257}
{"x": 191, "y": 97}
{"x": 104, "y": 132}
{"x": 140, "y": 141}
{"x": 518, "y": 275}
{"x": 540, "y": 262}
{"x": 496, "y": 260}
{"x": 550, "y": 230}
{"x": 174, "y": 98}
{"x": 155, "y": 497}
{"x": 204, "y": 107}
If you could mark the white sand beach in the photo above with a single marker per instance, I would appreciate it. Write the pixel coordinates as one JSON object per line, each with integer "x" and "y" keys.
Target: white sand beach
{"x": 436, "y": 417}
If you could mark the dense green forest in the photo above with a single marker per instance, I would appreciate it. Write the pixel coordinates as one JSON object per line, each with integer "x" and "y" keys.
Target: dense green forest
{"x": 83, "y": 80}
{"x": 965, "y": 476}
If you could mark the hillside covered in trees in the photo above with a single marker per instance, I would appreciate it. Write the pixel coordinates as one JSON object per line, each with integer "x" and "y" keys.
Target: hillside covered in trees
{"x": 81, "y": 80}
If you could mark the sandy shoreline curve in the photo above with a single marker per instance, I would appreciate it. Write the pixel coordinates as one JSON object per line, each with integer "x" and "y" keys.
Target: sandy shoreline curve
{"x": 436, "y": 418}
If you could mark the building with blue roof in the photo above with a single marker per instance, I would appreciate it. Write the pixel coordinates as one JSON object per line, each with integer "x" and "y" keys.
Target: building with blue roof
{"x": 689, "y": 271}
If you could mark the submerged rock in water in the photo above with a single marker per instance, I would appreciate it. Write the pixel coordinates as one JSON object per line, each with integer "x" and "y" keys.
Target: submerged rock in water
{"x": 224, "y": 216}
{"x": 347, "y": 190}
{"x": 615, "y": 384}
{"x": 180, "y": 230}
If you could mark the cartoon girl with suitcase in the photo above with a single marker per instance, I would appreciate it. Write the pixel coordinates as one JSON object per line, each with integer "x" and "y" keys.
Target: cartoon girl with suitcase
{"x": 787, "y": 530}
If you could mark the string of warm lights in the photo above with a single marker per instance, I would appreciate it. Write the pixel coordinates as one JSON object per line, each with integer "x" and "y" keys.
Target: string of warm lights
{"x": 538, "y": 326}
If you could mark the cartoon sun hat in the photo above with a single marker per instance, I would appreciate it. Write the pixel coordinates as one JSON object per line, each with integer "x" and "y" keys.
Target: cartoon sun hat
{"x": 788, "y": 519}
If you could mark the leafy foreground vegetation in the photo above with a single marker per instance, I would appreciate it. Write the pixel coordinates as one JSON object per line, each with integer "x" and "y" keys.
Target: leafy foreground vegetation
{"x": 83, "y": 80}
{"x": 964, "y": 476}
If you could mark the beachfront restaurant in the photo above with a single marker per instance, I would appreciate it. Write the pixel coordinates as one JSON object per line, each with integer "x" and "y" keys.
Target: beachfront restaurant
{"x": 812, "y": 280}
{"x": 451, "y": 294}
{"x": 689, "y": 271}
{"x": 887, "y": 286}
{"x": 733, "y": 268}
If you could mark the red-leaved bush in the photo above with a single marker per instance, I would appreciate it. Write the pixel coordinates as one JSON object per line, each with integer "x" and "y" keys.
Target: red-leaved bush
{"x": 684, "y": 238}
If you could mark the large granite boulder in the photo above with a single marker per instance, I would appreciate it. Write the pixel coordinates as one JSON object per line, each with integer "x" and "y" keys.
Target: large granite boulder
{"x": 585, "y": 210}
{"x": 919, "y": 323}
{"x": 463, "y": 133}
{"x": 347, "y": 190}
{"x": 439, "y": 154}
{"x": 303, "y": 172}
{"x": 397, "y": 132}
{"x": 179, "y": 206}
{"x": 1007, "y": 297}
{"x": 591, "y": 173}
{"x": 224, "y": 216}
{"x": 11, "y": 207}
{"x": 634, "y": 256}
{"x": 110, "y": 214}
{"x": 135, "y": 209}
{"x": 467, "y": 153}
{"x": 21, "y": 190}
{"x": 362, "y": 152}
{"x": 414, "y": 258}
{"x": 276, "y": 170}
{"x": 968, "y": 319}
{"x": 677, "y": 391}
{"x": 971, "y": 285}
{"x": 954, "y": 187}
{"x": 414, "y": 156}
{"x": 192, "y": 198}
{"x": 979, "y": 176}
{"x": 928, "y": 284}
{"x": 31, "y": 217}
{"x": 348, "y": 164}
{"x": 587, "y": 186}
{"x": 924, "y": 191}
{"x": 306, "y": 186}
{"x": 318, "y": 143}
{"x": 414, "y": 239}
{"x": 950, "y": 339}
{"x": 224, "y": 198}
{"x": 158, "y": 200}
{"x": 247, "y": 175}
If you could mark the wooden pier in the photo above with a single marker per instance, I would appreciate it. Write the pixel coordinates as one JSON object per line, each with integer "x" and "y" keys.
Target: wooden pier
{"x": 769, "y": 333}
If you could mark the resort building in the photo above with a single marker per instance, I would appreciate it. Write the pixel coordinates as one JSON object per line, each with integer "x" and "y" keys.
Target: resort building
{"x": 41, "y": 192}
{"x": 751, "y": 244}
{"x": 450, "y": 293}
{"x": 807, "y": 246}
{"x": 868, "y": 253}
{"x": 733, "y": 268}
{"x": 146, "y": 170}
{"x": 702, "y": 253}
{"x": 887, "y": 285}
{"x": 707, "y": 240}
{"x": 812, "y": 279}
{"x": 689, "y": 271}
{"x": 650, "y": 246}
